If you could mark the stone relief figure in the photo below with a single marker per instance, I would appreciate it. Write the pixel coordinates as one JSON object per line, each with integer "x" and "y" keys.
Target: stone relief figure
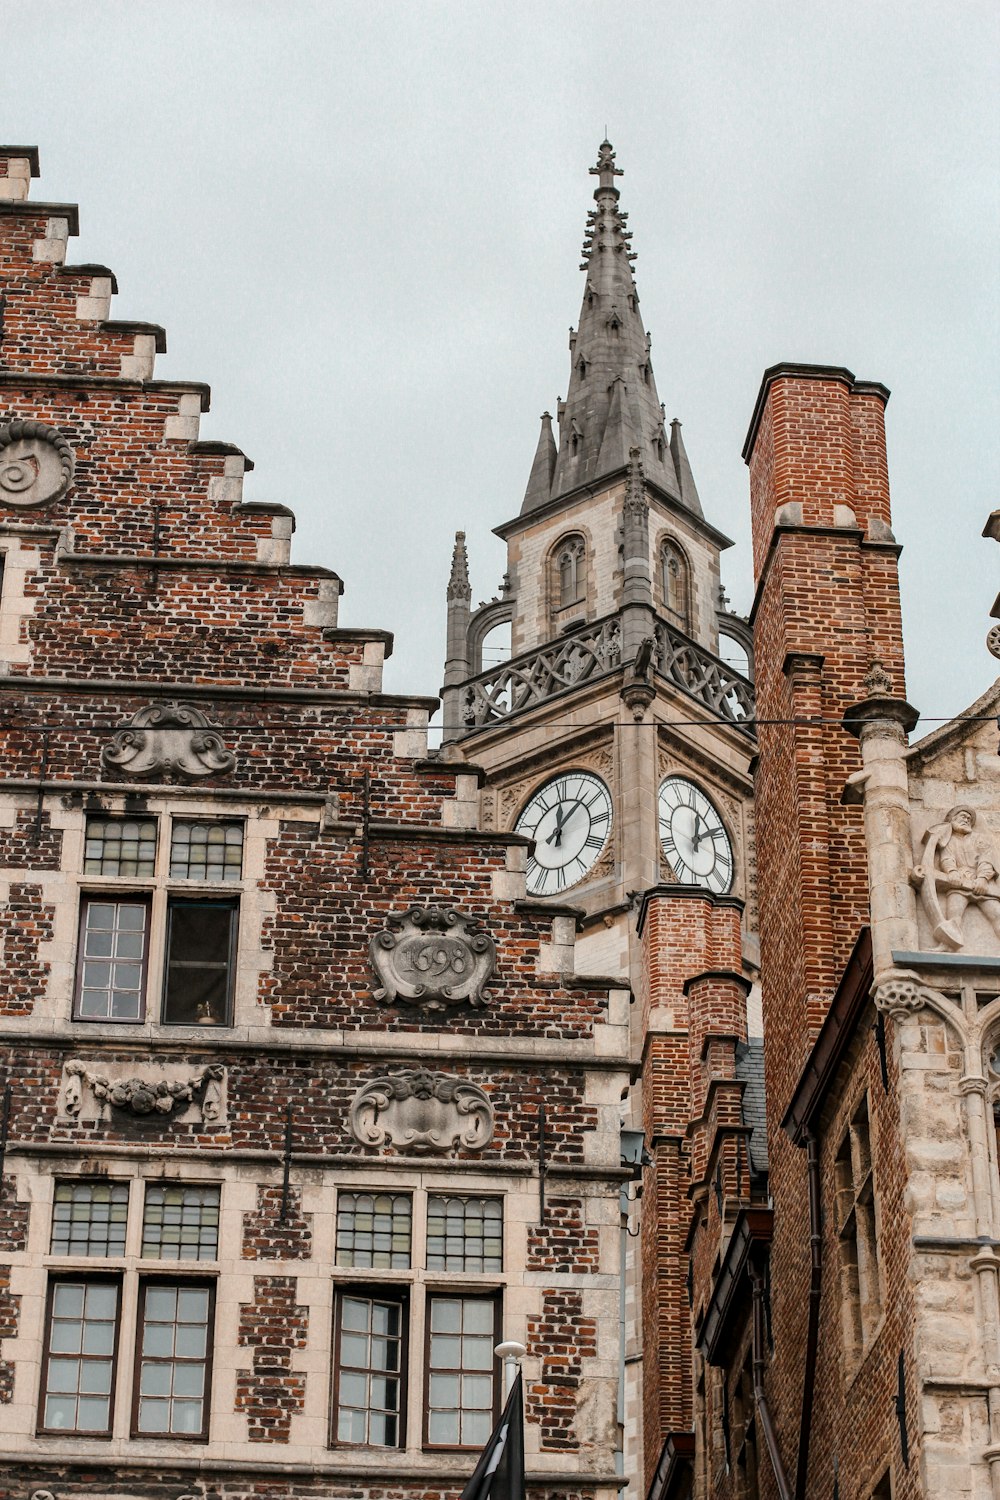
{"x": 144, "y": 1096}
{"x": 959, "y": 868}
{"x": 173, "y": 741}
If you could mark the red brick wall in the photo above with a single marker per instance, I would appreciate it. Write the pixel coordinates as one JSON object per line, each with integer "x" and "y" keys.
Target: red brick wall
{"x": 273, "y": 1325}
{"x": 827, "y": 606}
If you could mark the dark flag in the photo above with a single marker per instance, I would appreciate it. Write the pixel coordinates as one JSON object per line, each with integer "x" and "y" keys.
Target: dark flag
{"x": 499, "y": 1474}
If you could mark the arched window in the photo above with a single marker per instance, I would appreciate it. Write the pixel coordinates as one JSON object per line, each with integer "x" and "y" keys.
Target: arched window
{"x": 569, "y": 572}
{"x": 676, "y": 583}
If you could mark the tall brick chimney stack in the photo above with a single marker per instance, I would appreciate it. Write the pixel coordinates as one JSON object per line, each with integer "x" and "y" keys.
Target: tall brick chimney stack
{"x": 826, "y": 608}
{"x": 826, "y": 611}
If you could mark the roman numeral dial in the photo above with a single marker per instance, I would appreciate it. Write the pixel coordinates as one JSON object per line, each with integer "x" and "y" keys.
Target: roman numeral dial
{"x": 693, "y": 836}
{"x": 569, "y": 819}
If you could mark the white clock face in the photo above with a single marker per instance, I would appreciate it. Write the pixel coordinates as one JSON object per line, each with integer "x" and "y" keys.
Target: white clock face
{"x": 569, "y": 819}
{"x": 693, "y": 836}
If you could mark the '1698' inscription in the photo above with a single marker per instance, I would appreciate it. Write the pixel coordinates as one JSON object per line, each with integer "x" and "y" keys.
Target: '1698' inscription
{"x": 433, "y": 957}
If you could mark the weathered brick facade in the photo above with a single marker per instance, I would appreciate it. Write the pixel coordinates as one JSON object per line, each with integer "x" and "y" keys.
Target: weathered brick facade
{"x": 168, "y": 670}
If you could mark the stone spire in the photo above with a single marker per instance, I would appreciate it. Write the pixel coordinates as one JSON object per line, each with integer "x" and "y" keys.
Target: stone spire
{"x": 540, "y": 479}
{"x": 682, "y": 468}
{"x": 458, "y": 582}
{"x": 612, "y": 405}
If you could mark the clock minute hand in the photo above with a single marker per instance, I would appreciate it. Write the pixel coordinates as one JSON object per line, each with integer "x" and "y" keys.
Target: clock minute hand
{"x": 555, "y": 837}
{"x": 697, "y": 836}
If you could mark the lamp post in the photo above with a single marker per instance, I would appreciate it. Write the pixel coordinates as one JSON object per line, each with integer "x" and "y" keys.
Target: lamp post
{"x": 512, "y": 1354}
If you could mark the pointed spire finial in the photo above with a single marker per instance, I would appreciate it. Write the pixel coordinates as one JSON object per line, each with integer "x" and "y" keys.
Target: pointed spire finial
{"x": 458, "y": 584}
{"x": 542, "y": 468}
{"x": 605, "y": 169}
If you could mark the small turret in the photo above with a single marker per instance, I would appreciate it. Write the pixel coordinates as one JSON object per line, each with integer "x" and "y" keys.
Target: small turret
{"x": 682, "y": 468}
{"x": 540, "y": 479}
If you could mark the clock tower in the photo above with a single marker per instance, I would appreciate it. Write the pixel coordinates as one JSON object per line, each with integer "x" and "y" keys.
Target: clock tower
{"x": 619, "y": 737}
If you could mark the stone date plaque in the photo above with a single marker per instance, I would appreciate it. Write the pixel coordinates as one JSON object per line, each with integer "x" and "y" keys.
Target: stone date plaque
{"x": 432, "y": 957}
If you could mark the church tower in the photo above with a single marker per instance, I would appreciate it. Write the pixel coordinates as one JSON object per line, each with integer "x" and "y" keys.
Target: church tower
{"x": 615, "y": 681}
{"x": 621, "y": 741}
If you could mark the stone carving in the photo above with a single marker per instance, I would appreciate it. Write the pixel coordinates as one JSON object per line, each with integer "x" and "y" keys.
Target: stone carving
{"x": 541, "y": 674}
{"x": 878, "y": 683}
{"x": 169, "y": 740}
{"x": 704, "y": 676}
{"x": 145, "y": 1096}
{"x": 993, "y": 641}
{"x": 959, "y": 868}
{"x": 36, "y": 464}
{"x": 421, "y": 1111}
{"x": 899, "y": 997}
{"x": 42, "y": 1495}
{"x": 433, "y": 957}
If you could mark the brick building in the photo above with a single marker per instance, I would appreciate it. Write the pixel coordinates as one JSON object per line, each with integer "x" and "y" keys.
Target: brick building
{"x": 308, "y": 1104}
{"x": 319, "y": 1045}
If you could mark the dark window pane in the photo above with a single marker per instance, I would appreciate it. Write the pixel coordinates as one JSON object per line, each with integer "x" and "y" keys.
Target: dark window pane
{"x": 199, "y": 963}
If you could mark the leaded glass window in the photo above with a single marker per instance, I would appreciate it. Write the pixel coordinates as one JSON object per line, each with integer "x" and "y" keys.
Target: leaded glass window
{"x": 172, "y": 1366}
{"x": 81, "y": 1336}
{"x": 461, "y": 1391}
{"x": 88, "y": 1218}
{"x": 368, "y": 1402}
{"x": 374, "y": 1230}
{"x": 120, "y": 846}
{"x": 464, "y": 1234}
{"x": 206, "y": 851}
{"x": 180, "y": 1221}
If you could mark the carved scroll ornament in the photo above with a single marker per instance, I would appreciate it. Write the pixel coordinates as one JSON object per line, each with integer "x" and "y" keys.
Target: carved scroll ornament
{"x": 36, "y": 464}
{"x": 169, "y": 739}
{"x": 421, "y": 1111}
{"x": 146, "y": 1096}
{"x": 433, "y": 957}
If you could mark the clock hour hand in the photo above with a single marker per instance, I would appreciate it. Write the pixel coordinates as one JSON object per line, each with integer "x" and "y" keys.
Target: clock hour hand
{"x": 697, "y": 834}
{"x": 563, "y": 812}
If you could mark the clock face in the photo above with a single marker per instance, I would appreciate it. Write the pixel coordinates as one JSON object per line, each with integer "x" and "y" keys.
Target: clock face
{"x": 569, "y": 819}
{"x": 693, "y": 836}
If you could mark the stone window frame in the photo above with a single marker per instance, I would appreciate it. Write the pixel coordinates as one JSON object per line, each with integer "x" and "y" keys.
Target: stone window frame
{"x": 129, "y": 1271}
{"x": 857, "y": 1226}
{"x": 417, "y": 1285}
{"x": 163, "y": 893}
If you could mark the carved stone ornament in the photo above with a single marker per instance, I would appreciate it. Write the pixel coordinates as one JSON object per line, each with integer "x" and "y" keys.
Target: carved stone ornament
{"x": 993, "y": 641}
{"x": 144, "y": 1096}
{"x": 36, "y": 464}
{"x": 169, "y": 740}
{"x": 421, "y": 1111}
{"x": 959, "y": 869}
{"x": 899, "y": 997}
{"x": 432, "y": 957}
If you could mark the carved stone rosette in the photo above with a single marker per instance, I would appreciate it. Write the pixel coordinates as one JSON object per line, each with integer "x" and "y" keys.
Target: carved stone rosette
{"x": 420, "y": 1111}
{"x": 169, "y": 740}
{"x": 36, "y": 464}
{"x": 145, "y": 1096}
{"x": 432, "y": 957}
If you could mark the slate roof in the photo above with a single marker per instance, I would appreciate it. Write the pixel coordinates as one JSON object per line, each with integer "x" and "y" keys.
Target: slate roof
{"x": 750, "y": 1069}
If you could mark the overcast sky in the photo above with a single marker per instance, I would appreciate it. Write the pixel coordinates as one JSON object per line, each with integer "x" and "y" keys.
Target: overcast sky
{"x": 361, "y": 223}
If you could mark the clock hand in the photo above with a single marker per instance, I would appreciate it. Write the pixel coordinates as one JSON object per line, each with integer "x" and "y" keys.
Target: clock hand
{"x": 697, "y": 836}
